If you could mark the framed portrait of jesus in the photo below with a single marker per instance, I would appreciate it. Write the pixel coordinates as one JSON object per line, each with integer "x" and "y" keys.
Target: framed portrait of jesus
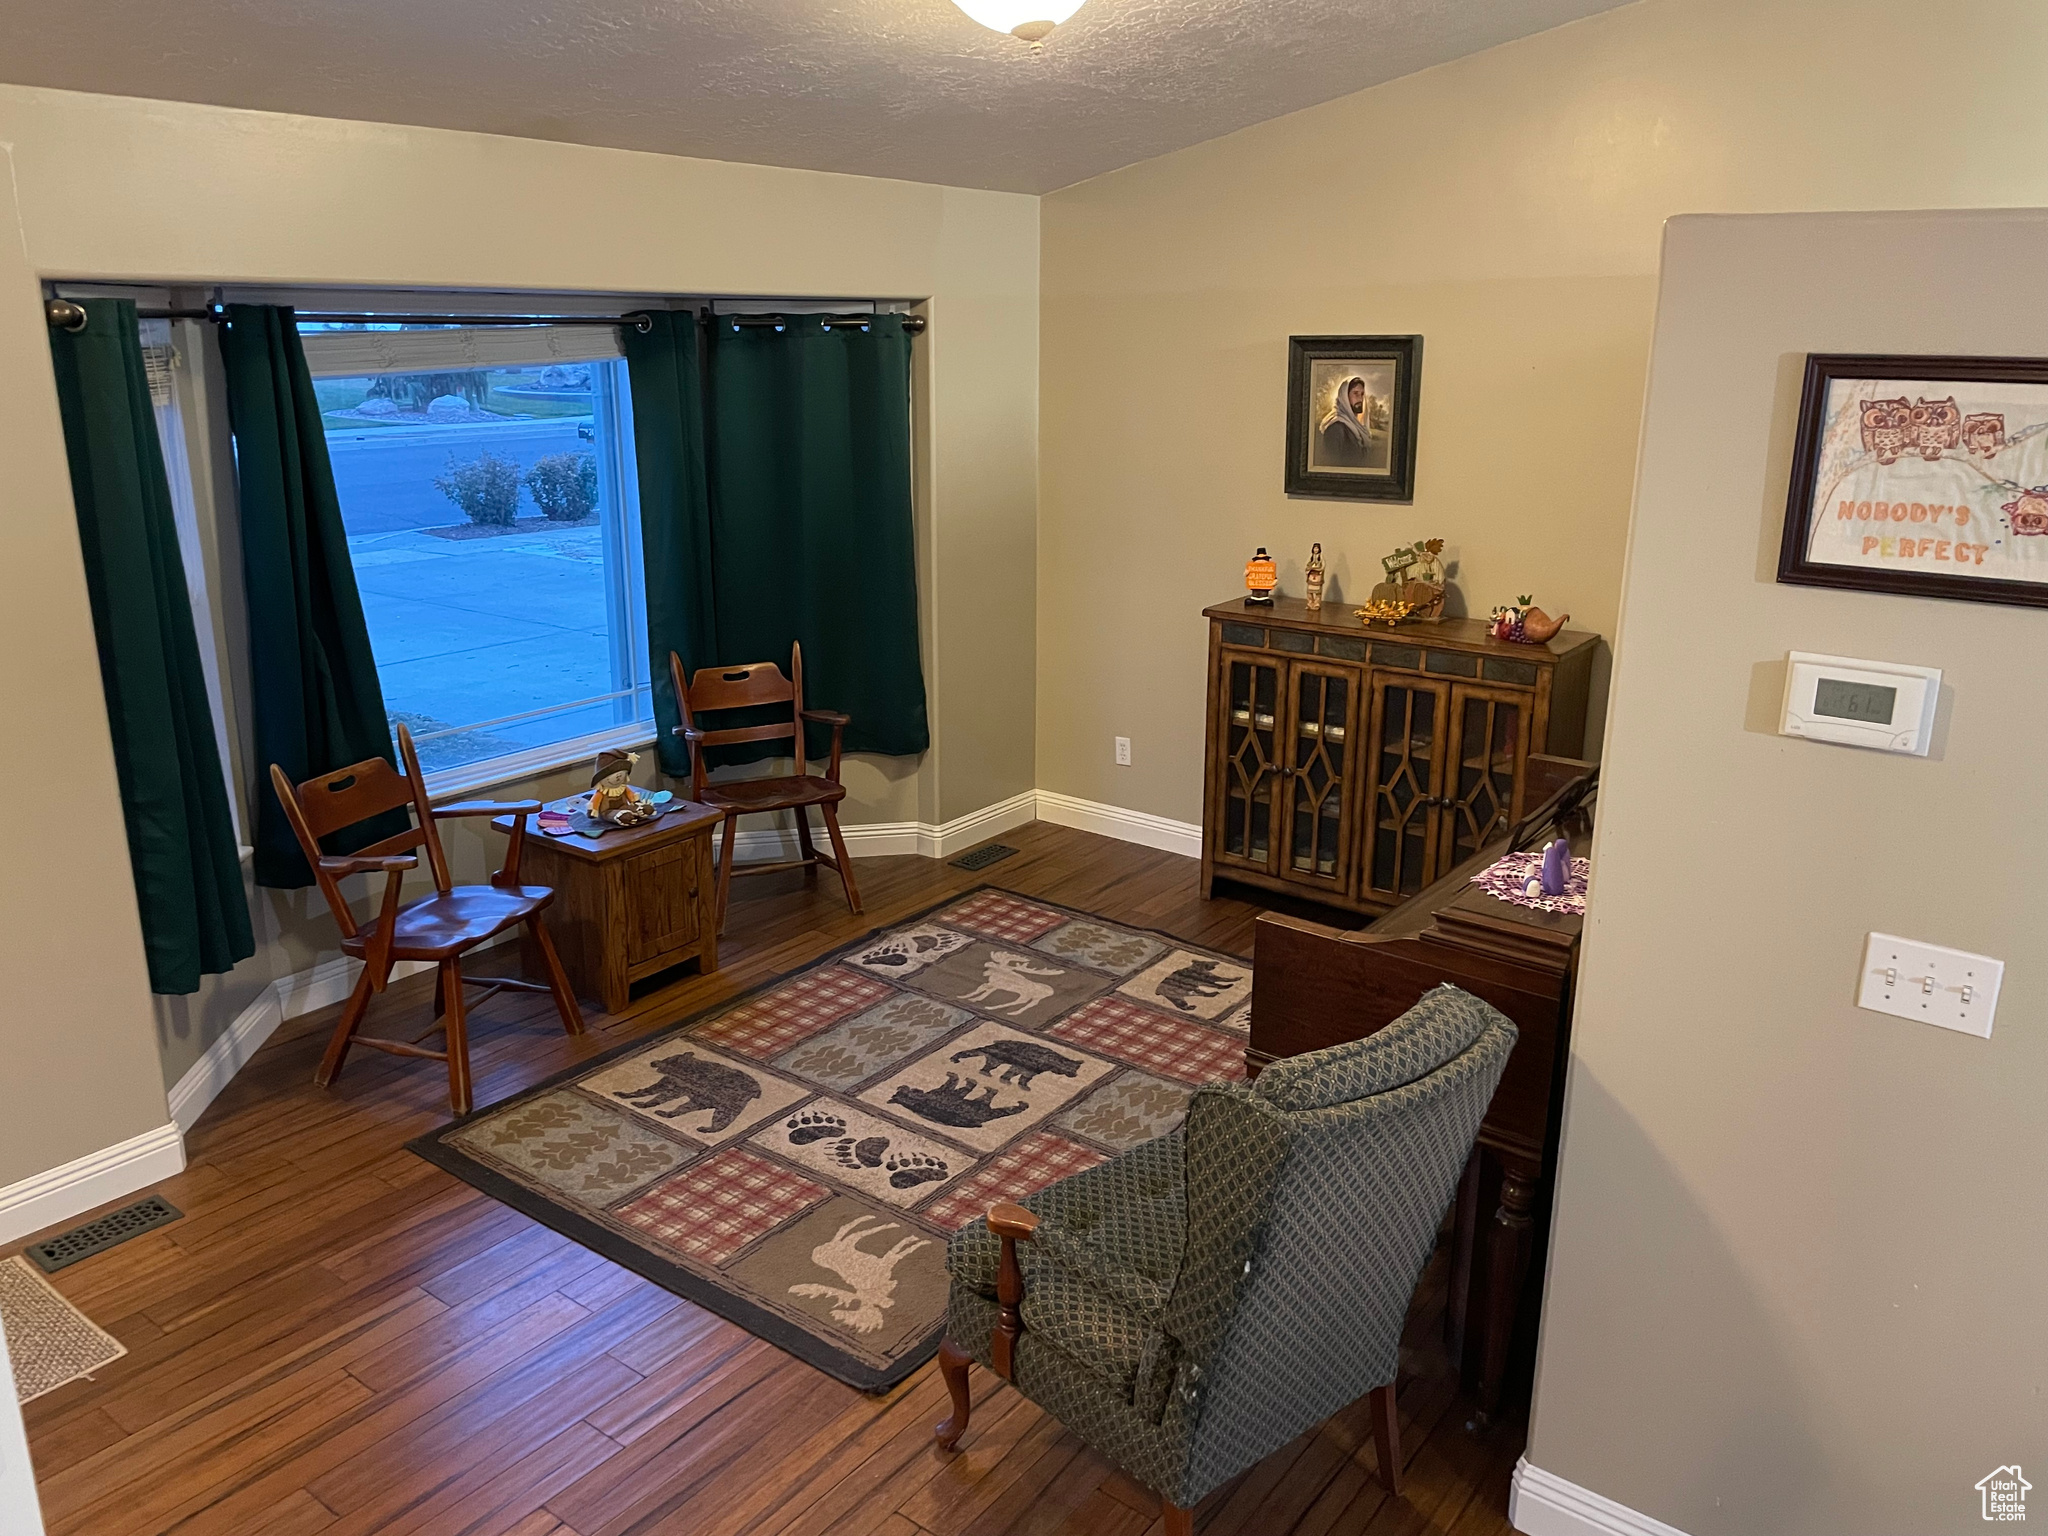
{"x": 1351, "y": 416}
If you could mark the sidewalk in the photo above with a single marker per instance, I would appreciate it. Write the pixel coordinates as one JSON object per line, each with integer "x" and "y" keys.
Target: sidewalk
{"x": 475, "y": 629}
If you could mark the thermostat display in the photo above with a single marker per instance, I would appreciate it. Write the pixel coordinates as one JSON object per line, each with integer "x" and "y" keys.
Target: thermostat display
{"x": 1880, "y": 704}
{"x": 1844, "y": 700}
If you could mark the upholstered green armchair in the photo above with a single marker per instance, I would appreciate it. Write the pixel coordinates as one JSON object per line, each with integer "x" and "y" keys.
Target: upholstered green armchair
{"x": 1191, "y": 1306}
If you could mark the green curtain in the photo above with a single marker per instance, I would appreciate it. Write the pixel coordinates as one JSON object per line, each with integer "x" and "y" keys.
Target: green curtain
{"x": 811, "y": 533}
{"x": 665, "y": 367}
{"x": 318, "y": 704}
{"x": 181, "y": 834}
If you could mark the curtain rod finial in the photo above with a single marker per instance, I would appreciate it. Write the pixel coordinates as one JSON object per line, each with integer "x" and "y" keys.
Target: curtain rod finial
{"x": 65, "y": 315}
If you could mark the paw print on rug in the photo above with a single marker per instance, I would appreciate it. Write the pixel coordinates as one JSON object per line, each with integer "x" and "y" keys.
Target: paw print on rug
{"x": 906, "y": 1170}
{"x": 813, "y": 1125}
{"x": 910, "y": 1169}
{"x": 864, "y": 1153}
{"x": 877, "y": 1157}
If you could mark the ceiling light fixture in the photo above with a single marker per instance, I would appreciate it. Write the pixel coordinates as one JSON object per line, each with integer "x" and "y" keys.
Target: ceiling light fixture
{"x": 1031, "y": 20}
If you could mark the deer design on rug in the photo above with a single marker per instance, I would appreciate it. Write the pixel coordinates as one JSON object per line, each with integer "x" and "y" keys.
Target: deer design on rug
{"x": 870, "y": 1276}
{"x": 1007, "y": 975}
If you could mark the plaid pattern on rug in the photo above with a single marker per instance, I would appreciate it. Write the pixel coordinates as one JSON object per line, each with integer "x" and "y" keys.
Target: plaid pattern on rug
{"x": 795, "y": 1160}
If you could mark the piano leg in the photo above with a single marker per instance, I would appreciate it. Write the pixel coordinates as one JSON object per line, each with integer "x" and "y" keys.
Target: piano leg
{"x": 1507, "y": 1270}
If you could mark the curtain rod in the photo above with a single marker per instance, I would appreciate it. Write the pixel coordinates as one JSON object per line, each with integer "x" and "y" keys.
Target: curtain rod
{"x": 66, "y": 315}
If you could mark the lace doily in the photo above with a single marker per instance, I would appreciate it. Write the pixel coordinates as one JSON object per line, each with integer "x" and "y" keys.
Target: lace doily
{"x": 1507, "y": 879}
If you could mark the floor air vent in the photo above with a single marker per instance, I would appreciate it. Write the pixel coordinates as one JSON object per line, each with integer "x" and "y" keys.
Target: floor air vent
{"x": 982, "y": 857}
{"x": 98, "y": 1236}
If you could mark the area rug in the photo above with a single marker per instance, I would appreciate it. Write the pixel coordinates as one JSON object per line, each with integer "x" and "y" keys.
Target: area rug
{"x": 49, "y": 1341}
{"x": 795, "y": 1160}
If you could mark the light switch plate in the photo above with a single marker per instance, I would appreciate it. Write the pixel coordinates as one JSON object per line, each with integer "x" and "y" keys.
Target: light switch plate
{"x": 1912, "y": 980}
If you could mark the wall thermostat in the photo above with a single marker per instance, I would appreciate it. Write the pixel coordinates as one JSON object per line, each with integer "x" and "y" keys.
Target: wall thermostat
{"x": 1880, "y": 704}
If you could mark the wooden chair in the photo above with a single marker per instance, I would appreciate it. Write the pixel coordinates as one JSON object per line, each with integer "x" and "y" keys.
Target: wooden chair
{"x": 441, "y": 928}
{"x": 759, "y": 683}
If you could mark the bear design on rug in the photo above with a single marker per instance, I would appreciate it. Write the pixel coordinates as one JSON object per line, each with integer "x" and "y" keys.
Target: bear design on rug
{"x": 955, "y": 1104}
{"x": 1019, "y": 1061}
{"x": 700, "y": 1084}
{"x": 1195, "y": 982}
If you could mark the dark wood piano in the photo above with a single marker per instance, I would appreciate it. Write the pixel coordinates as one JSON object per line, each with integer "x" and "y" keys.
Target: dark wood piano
{"x": 1316, "y": 986}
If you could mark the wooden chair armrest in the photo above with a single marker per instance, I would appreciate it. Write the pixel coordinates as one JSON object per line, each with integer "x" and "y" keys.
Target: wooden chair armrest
{"x": 687, "y": 732}
{"x": 839, "y": 723}
{"x": 518, "y": 810}
{"x": 377, "y": 957}
{"x": 1011, "y": 1224}
{"x": 391, "y": 864}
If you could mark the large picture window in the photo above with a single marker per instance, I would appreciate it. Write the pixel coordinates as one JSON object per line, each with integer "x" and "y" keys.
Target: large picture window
{"x": 487, "y": 487}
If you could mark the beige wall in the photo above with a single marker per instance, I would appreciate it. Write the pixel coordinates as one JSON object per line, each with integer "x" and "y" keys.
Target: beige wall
{"x": 1796, "y": 1272}
{"x": 117, "y": 189}
{"x": 1507, "y": 208}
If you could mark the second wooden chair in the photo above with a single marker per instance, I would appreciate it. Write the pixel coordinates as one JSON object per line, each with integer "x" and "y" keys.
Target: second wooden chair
{"x": 714, "y": 689}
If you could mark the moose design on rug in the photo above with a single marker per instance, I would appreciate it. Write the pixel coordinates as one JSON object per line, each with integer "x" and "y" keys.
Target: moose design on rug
{"x": 706, "y": 1095}
{"x": 870, "y": 1288}
{"x": 1019, "y": 986}
{"x": 873, "y": 1279}
{"x": 983, "y": 1087}
{"x": 1008, "y": 976}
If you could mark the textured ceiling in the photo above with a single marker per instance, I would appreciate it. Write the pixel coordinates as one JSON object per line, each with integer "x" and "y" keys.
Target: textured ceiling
{"x": 905, "y": 88}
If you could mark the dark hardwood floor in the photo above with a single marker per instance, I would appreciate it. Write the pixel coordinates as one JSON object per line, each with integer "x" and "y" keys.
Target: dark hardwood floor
{"x": 340, "y": 1338}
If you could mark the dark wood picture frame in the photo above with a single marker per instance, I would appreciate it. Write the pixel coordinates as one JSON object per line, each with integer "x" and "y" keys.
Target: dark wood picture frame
{"x": 1397, "y": 482}
{"x": 1796, "y": 568}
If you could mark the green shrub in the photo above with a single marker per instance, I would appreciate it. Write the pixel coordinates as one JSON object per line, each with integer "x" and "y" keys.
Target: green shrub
{"x": 564, "y": 485}
{"x": 486, "y": 488}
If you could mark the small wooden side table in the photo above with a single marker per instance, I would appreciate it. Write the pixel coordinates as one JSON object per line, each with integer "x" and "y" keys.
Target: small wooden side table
{"x": 629, "y": 904}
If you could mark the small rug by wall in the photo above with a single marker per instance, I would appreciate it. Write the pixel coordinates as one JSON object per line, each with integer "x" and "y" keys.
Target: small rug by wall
{"x": 795, "y": 1160}
{"x": 49, "y": 1340}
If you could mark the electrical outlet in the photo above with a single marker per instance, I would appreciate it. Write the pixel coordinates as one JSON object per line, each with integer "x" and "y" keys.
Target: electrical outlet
{"x": 1123, "y": 751}
{"x": 1911, "y": 980}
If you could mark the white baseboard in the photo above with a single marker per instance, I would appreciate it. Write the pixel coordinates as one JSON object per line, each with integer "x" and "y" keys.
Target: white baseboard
{"x": 1541, "y": 1503}
{"x": 1142, "y": 827}
{"x": 287, "y": 997}
{"x": 207, "y": 1076}
{"x": 94, "y": 1179}
{"x": 887, "y": 838}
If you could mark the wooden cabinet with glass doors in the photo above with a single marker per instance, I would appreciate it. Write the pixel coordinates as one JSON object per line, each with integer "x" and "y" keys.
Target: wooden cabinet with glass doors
{"x": 1354, "y": 767}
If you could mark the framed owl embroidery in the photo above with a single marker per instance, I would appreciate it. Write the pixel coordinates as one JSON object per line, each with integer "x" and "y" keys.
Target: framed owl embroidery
{"x": 1924, "y": 476}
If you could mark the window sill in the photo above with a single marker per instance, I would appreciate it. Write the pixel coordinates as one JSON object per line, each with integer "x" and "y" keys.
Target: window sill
{"x": 459, "y": 783}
